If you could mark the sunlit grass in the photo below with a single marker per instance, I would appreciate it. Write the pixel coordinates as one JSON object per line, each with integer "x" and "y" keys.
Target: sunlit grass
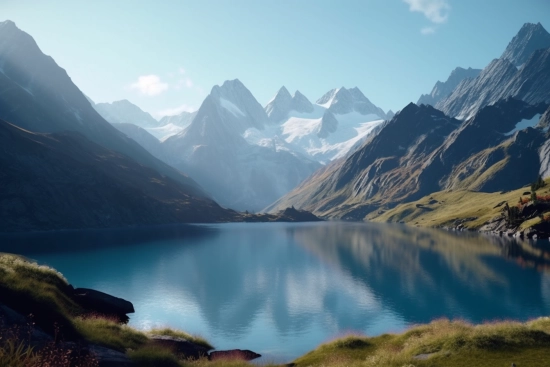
{"x": 447, "y": 206}
{"x": 109, "y": 333}
{"x": 442, "y": 343}
{"x": 182, "y": 335}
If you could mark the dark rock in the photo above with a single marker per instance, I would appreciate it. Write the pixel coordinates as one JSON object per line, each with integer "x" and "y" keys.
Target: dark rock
{"x": 180, "y": 346}
{"x": 234, "y": 354}
{"x": 526, "y": 193}
{"x": 109, "y": 358}
{"x": 13, "y": 322}
{"x": 499, "y": 204}
{"x": 102, "y": 302}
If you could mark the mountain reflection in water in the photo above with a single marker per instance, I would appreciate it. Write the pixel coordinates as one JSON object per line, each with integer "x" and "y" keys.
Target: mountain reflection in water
{"x": 281, "y": 289}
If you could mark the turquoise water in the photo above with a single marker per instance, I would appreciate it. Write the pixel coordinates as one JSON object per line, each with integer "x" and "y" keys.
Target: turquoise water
{"x": 281, "y": 289}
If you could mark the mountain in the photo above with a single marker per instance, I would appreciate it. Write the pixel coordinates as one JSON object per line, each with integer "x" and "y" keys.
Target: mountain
{"x": 125, "y": 112}
{"x": 443, "y": 89}
{"x": 544, "y": 152}
{"x": 143, "y": 138}
{"x": 278, "y": 108}
{"x": 531, "y": 37}
{"x": 217, "y": 149}
{"x": 283, "y": 103}
{"x": 497, "y": 149}
{"x": 182, "y": 120}
{"x": 501, "y": 79}
{"x": 38, "y": 95}
{"x": 342, "y": 101}
{"x": 324, "y": 131}
{"x": 65, "y": 181}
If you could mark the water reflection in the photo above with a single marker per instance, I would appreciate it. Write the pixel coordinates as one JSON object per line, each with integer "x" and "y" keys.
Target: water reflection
{"x": 281, "y": 289}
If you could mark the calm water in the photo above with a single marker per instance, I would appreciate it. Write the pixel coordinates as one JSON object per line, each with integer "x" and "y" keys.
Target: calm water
{"x": 282, "y": 289}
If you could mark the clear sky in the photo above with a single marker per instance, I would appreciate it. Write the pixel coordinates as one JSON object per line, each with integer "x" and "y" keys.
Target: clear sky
{"x": 165, "y": 56}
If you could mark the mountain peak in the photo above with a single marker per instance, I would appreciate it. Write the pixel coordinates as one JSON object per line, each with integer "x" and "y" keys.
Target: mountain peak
{"x": 279, "y": 106}
{"x": 531, "y": 37}
{"x": 300, "y": 103}
{"x": 283, "y": 92}
{"x": 8, "y": 23}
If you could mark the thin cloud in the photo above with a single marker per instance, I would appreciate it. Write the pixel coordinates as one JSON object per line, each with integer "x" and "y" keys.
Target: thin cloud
{"x": 427, "y": 30}
{"x": 436, "y": 11}
{"x": 176, "y": 110}
{"x": 149, "y": 85}
{"x": 184, "y": 82}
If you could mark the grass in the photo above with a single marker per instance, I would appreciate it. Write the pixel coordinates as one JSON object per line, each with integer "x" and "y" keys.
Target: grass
{"x": 443, "y": 343}
{"x": 24, "y": 284}
{"x": 182, "y": 335}
{"x": 109, "y": 333}
{"x": 154, "y": 357}
{"x": 448, "y": 206}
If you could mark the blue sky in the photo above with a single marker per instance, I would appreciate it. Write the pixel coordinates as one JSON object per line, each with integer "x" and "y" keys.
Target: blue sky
{"x": 165, "y": 56}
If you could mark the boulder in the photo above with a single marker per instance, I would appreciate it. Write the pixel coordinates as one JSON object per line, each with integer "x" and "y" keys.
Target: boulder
{"x": 180, "y": 346}
{"x": 102, "y": 302}
{"x": 234, "y": 354}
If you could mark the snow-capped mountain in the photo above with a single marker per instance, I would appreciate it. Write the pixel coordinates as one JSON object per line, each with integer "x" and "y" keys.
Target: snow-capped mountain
{"x": 443, "y": 89}
{"x": 244, "y": 174}
{"x": 279, "y": 107}
{"x": 343, "y": 101}
{"x": 325, "y": 131}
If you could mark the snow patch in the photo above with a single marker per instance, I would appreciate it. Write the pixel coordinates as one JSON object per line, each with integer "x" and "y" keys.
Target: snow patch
{"x": 329, "y": 102}
{"x": 231, "y": 107}
{"x": 164, "y": 132}
{"x": 524, "y": 124}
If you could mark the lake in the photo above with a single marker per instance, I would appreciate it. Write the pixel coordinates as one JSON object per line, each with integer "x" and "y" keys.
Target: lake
{"x": 281, "y": 289}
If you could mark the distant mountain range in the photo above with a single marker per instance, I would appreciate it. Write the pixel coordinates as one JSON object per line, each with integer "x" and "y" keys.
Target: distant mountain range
{"x": 248, "y": 156}
{"x": 487, "y": 132}
{"x": 72, "y": 163}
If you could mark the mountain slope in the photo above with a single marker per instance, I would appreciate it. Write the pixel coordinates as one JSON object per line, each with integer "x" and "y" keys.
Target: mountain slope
{"x": 501, "y": 78}
{"x": 125, "y": 112}
{"x": 492, "y": 151}
{"x": 237, "y": 173}
{"x": 531, "y": 37}
{"x": 63, "y": 180}
{"x": 443, "y": 89}
{"x": 37, "y": 95}
{"x": 143, "y": 138}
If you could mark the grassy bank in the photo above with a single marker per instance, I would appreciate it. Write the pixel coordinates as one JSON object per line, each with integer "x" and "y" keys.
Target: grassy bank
{"x": 440, "y": 343}
{"x": 44, "y": 293}
{"x": 444, "y": 207}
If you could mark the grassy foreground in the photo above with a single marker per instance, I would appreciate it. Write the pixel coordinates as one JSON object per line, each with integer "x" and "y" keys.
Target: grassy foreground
{"x": 444, "y": 207}
{"x": 440, "y": 343}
